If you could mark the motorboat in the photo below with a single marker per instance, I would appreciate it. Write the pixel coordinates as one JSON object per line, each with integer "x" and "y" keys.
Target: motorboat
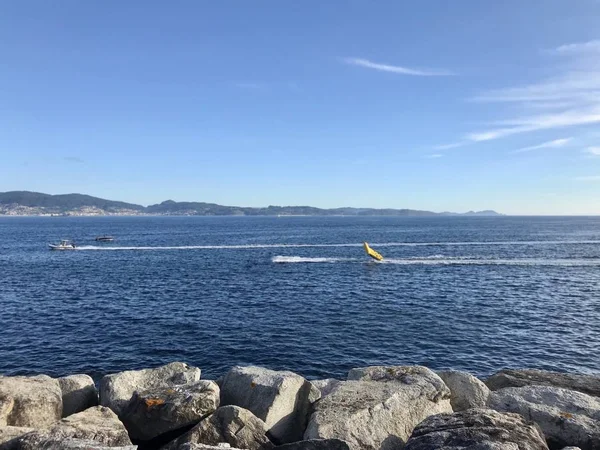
{"x": 63, "y": 245}
{"x": 105, "y": 239}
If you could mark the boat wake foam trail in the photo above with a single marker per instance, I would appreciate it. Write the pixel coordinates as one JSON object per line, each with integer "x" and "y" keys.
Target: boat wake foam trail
{"x": 446, "y": 261}
{"x": 496, "y": 262}
{"x": 303, "y": 259}
{"x": 385, "y": 244}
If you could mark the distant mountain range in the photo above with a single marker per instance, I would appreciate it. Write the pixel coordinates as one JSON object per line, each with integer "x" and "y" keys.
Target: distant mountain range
{"x": 21, "y": 203}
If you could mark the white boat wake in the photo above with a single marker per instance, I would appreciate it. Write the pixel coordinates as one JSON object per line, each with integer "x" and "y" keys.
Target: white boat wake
{"x": 375, "y": 245}
{"x": 446, "y": 261}
{"x": 303, "y": 259}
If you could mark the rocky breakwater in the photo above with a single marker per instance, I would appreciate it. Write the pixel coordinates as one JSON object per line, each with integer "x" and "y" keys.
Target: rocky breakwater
{"x": 374, "y": 408}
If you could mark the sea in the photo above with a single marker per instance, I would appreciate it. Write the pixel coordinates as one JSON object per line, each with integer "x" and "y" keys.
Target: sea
{"x": 299, "y": 293}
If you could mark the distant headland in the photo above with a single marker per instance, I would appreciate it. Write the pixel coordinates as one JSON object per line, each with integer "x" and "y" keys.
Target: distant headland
{"x": 25, "y": 203}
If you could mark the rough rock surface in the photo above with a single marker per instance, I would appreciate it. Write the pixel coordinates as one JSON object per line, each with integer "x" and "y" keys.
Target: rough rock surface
{"x": 281, "y": 399}
{"x": 567, "y": 418}
{"x": 466, "y": 391}
{"x": 157, "y": 411}
{"x": 231, "y": 424}
{"x": 98, "y": 424}
{"x": 204, "y": 447}
{"x": 30, "y": 401}
{"x": 41, "y": 441}
{"x": 315, "y": 444}
{"x": 325, "y": 386}
{"x": 6, "y": 406}
{"x": 381, "y": 414}
{"x": 116, "y": 389}
{"x": 588, "y": 384}
{"x": 9, "y": 436}
{"x": 404, "y": 374}
{"x": 78, "y": 393}
{"x": 476, "y": 429}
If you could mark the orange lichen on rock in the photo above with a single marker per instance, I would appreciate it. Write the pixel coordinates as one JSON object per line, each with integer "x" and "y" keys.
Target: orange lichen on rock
{"x": 151, "y": 402}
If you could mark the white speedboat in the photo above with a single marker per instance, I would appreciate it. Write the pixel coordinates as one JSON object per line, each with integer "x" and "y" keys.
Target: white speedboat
{"x": 63, "y": 245}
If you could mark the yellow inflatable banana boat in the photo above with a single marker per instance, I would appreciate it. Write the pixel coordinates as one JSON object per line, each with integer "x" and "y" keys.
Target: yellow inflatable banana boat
{"x": 372, "y": 253}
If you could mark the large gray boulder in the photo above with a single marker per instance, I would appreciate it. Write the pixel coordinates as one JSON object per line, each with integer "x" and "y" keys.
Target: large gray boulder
{"x": 405, "y": 375}
{"x": 157, "y": 411}
{"x": 97, "y": 423}
{"x": 41, "y": 441}
{"x": 466, "y": 390}
{"x": 476, "y": 429}
{"x": 231, "y": 424}
{"x": 9, "y": 437}
{"x": 379, "y": 415}
{"x": 78, "y": 393}
{"x": 315, "y": 444}
{"x": 588, "y": 384}
{"x": 34, "y": 402}
{"x": 281, "y": 399}
{"x": 116, "y": 389}
{"x": 325, "y": 386}
{"x": 567, "y": 418}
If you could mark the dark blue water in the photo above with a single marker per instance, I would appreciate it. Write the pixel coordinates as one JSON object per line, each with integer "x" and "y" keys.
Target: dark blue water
{"x": 298, "y": 293}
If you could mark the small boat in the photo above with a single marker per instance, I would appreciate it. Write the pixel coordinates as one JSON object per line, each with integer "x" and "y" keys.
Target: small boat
{"x": 372, "y": 253}
{"x": 105, "y": 239}
{"x": 63, "y": 245}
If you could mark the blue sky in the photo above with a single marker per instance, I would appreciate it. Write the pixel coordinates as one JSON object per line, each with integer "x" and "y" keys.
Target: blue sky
{"x": 439, "y": 105}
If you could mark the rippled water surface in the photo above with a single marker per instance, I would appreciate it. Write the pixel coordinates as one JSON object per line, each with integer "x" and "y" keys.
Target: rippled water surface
{"x": 298, "y": 293}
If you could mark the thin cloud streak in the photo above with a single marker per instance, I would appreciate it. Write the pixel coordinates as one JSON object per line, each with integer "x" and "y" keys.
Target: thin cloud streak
{"x": 557, "y": 143}
{"x": 574, "y": 85}
{"x": 537, "y": 123}
{"x": 396, "y": 69}
{"x": 434, "y": 156}
{"x": 578, "y": 47}
{"x": 593, "y": 151}
{"x": 569, "y": 99}
{"x": 449, "y": 146}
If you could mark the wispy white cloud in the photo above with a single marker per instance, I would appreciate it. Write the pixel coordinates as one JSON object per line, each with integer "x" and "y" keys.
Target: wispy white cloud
{"x": 434, "y": 156}
{"x": 570, "y": 98}
{"x": 578, "y": 47}
{"x": 449, "y": 146}
{"x": 551, "y": 105}
{"x": 541, "y": 122}
{"x": 593, "y": 151}
{"x": 588, "y": 178}
{"x": 575, "y": 85}
{"x": 557, "y": 143}
{"x": 396, "y": 69}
